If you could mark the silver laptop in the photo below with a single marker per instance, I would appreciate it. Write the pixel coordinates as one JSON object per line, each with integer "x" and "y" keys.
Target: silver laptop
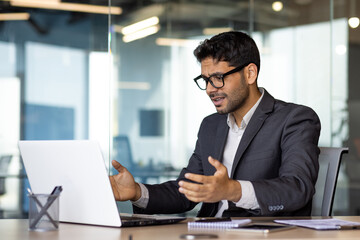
{"x": 78, "y": 166}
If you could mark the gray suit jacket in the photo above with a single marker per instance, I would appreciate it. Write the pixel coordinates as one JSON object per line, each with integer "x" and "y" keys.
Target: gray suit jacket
{"x": 278, "y": 153}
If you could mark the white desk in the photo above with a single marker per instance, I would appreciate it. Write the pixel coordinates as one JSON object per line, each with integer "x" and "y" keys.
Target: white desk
{"x": 14, "y": 229}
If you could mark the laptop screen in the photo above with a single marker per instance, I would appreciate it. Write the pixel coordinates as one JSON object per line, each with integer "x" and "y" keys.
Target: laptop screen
{"x": 78, "y": 166}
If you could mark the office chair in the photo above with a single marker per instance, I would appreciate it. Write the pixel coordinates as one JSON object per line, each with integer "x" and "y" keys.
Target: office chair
{"x": 329, "y": 162}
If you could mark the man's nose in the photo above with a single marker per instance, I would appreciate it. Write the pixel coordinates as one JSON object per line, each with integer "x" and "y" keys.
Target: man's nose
{"x": 210, "y": 88}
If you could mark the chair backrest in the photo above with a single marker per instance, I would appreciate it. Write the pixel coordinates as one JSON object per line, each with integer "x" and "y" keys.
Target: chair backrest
{"x": 329, "y": 162}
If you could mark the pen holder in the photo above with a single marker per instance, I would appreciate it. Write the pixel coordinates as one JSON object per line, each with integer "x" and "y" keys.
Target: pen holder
{"x": 43, "y": 212}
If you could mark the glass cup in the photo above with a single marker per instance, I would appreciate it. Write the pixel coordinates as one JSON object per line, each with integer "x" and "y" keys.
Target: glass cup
{"x": 43, "y": 212}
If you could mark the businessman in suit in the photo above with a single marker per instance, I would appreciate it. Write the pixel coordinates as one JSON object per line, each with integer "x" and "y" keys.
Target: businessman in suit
{"x": 257, "y": 156}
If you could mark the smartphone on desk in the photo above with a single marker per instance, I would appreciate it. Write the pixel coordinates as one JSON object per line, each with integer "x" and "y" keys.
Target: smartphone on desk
{"x": 260, "y": 228}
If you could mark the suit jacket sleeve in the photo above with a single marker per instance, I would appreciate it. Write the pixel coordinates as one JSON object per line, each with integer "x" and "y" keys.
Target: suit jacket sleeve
{"x": 291, "y": 192}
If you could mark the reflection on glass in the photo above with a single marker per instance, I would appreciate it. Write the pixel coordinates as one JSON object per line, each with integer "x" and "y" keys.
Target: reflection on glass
{"x": 58, "y": 80}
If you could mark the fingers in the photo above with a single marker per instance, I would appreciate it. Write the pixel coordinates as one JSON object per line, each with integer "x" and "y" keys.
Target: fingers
{"x": 206, "y": 188}
{"x": 194, "y": 192}
{"x": 220, "y": 170}
{"x": 218, "y": 165}
{"x": 197, "y": 190}
{"x": 198, "y": 178}
{"x": 196, "y": 197}
{"x": 114, "y": 189}
{"x": 187, "y": 186}
{"x": 117, "y": 165}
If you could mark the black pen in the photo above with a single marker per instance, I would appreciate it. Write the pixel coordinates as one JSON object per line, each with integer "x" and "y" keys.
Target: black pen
{"x": 347, "y": 227}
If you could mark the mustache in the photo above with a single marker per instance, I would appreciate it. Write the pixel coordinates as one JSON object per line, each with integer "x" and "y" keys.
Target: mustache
{"x": 212, "y": 95}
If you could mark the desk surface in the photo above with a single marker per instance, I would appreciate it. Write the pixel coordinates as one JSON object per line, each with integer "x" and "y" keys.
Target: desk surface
{"x": 17, "y": 229}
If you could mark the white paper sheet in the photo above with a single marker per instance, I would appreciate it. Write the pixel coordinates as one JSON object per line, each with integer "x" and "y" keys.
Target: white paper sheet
{"x": 322, "y": 224}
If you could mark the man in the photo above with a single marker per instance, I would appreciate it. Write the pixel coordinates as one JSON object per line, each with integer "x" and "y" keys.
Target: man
{"x": 257, "y": 156}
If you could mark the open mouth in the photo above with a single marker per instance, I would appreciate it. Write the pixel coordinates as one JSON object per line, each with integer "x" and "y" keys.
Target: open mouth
{"x": 217, "y": 100}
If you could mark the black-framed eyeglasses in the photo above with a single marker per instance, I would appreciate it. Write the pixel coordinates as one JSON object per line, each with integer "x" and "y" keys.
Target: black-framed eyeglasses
{"x": 216, "y": 80}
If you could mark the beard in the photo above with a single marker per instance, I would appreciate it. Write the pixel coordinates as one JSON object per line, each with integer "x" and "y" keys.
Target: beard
{"x": 236, "y": 98}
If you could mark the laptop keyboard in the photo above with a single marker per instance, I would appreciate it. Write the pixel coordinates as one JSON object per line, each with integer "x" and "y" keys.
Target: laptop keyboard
{"x": 133, "y": 218}
{"x": 143, "y": 219}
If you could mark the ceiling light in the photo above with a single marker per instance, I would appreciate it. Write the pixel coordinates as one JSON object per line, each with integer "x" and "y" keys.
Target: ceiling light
{"x": 72, "y": 7}
{"x": 140, "y": 25}
{"x": 277, "y": 6}
{"x": 354, "y": 22}
{"x": 14, "y": 16}
{"x": 176, "y": 42}
{"x": 141, "y": 33}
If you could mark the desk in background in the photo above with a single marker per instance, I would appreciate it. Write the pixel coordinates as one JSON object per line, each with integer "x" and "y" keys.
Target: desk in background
{"x": 17, "y": 229}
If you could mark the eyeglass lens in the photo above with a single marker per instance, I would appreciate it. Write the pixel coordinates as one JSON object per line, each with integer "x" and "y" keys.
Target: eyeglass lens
{"x": 215, "y": 81}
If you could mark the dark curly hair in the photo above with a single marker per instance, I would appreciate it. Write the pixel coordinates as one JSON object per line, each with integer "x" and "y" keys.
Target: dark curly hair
{"x": 237, "y": 48}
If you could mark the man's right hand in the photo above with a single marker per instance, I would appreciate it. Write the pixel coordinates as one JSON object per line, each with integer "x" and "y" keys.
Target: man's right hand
{"x": 123, "y": 184}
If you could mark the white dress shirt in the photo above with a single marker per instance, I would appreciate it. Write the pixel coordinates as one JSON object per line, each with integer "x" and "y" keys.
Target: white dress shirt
{"x": 248, "y": 199}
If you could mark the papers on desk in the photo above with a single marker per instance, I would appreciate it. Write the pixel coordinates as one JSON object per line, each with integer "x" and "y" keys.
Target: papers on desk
{"x": 322, "y": 224}
{"x": 217, "y": 224}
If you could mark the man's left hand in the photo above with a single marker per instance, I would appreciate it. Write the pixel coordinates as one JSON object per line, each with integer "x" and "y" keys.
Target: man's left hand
{"x": 211, "y": 188}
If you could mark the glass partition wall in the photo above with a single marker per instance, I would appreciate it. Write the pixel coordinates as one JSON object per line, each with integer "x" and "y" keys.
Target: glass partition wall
{"x": 305, "y": 49}
{"x": 95, "y": 75}
{"x": 50, "y": 69}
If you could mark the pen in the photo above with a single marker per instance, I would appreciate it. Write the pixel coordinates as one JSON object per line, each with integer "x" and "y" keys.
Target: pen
{"x": 347, "y": 227}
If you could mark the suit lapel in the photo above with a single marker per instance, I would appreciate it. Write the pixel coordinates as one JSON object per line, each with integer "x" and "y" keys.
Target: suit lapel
{"x": 210, "y": 209}
{"x": 220, "y": 139}
{"x": 261, "y": 113}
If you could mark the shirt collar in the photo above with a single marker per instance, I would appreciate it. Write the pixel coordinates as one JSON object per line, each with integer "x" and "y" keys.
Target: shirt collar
{"x": 231, "y": 119}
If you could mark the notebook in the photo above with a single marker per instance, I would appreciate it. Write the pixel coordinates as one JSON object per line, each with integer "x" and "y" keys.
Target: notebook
{"x": 218, "y": 223}
{"x": 78, "y": 166}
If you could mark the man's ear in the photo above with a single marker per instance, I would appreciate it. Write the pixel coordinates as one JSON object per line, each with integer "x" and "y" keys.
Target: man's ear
{"x": 252, "y": 73}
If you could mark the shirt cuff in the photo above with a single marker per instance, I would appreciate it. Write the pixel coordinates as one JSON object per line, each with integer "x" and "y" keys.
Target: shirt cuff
{"x": 248, "y": 198}
{"x": 143, "y": 201}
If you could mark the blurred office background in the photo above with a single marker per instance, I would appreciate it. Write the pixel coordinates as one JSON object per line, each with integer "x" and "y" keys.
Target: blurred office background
{"x": 70, "y": 69}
